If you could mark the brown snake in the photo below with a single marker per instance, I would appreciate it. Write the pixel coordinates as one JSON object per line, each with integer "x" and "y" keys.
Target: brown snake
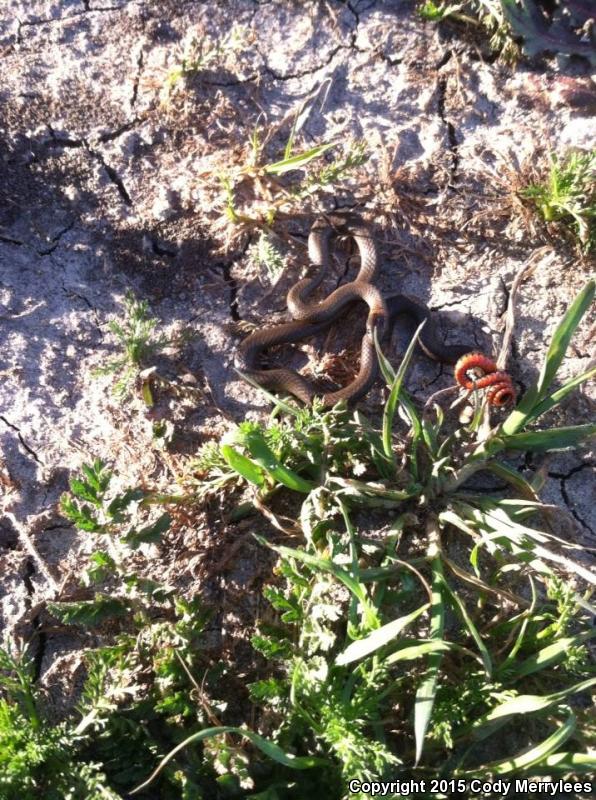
{"x": 314, "y": 317}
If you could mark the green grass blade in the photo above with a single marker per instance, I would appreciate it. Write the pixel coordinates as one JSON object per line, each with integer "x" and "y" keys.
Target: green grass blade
{"x": 513, "y": 477}
{"x": 427, "y": 690}
{"x": 535, "y": 755}
{"x": 264, "y": 457}
{"x": 555, "y": 398}
{"x": 569, "y": 565}
{"x": 550, "y": 439}
{"x": 552, "y": 654}
{"x": 355, "y": 565}
{"x": 264, "y": 745}
{"x": 462, "y": 612}
{"x": 299, "y": 160}
{"x": 523, "y": 705}
{"x": 378, "y": 638}
{"x": 563, "y": 335}
{"x": 394, "y": 393}
{"x": 416, "y": 431}
{"x": 420, "y": 648}
{"x": 555, "y": 354}
{"x": 496, "y": 524}
{"x": 411, "y": 649}
{"x": 242, "y": 465}
{"x": 381, "y": 462}
{"x": 566, "y": 763}
{"x": 385, "y": 366}
{"x": 519, "y": 639}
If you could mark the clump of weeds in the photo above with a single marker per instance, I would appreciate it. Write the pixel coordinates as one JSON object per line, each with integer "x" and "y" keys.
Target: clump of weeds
{"x": 565, "y": 197}
{"x": 401, "y": 653}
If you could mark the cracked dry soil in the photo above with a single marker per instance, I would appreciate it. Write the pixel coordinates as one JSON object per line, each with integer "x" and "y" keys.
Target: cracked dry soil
{"x": 101, "y": 192}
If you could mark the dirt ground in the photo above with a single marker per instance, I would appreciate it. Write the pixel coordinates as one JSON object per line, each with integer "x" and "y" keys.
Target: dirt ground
{"x": 107, "y": 185}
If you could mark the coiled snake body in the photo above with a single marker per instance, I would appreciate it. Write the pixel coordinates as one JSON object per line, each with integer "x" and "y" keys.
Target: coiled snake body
{"x": 311, "y": 318}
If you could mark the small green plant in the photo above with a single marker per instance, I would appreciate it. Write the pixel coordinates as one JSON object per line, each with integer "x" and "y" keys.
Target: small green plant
{"x": 141, "y": 689}
{"x": 484, "y": 14}
{"x": 38, "y": 759}
{"x": 115, "y": 521}
{"x": 200, "y": 53}
{"x": 568, "y": 195}
{"x": 266, "y": 255}
{"x": 136, "y": 335}
{"x": 436, "y": 12}
{"x": 123, "y": 717}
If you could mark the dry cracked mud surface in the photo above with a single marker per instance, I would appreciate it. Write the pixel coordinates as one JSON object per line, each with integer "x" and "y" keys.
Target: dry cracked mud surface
{"x": 104, "y": 188}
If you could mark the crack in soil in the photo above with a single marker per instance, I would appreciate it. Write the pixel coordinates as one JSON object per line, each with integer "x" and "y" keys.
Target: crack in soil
{"x": 447, "y": 304}
{"x": 66, "y": 141}
{"x": 113, "y": 176}
{"x": 55, "y": 240}
{"x": 137, "y": 78}
{"x": 20, "y": 438}
{"x": 312, "y": 70}
{"x": 233, "y": 287}
{"x": 236, "y": 82}
{"x": 563, "y": 477}
{"x": 450, "y": 128}
{"x": 440, "y": 373}
{"x": 41, "y": 638}
{"x": 109, "y": 136}
{"x": 8, "y": 240}
{"x": 503, "y": 300}
{"x": 352, "y": 11}
{"x": 232, "y": 283}
{"x": 477, "y": 342}
{"x": 351, "y": 45}
{"x": 71, "y": 293}
{"x": 377, "y": 52}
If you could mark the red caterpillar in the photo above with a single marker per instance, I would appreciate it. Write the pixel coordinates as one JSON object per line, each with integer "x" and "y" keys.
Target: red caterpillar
{"x": 501, "y": 389}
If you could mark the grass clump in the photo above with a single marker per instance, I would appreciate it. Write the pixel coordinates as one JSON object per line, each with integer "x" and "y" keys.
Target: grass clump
{"x": 259, "y": 192}
{"x": 567, "y": 195}
{"x": 38, "y": 759}
{"x": 201, "y": 53}
{"x": 400, "y": 653}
